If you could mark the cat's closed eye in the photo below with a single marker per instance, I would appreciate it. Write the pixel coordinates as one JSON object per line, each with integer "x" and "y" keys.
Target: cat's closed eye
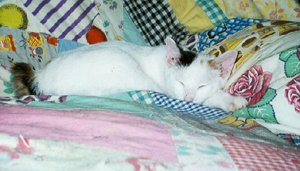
{"x": 201, "y": 86}
{"x": 181, "y": 82}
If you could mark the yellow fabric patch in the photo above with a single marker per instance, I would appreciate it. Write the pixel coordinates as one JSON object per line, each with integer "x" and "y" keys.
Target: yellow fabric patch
{"x": 191, "y": 15}
{"x": 240, "y": 122}
{"x": 13, "y": 16}
{"x": 221, "y": 5}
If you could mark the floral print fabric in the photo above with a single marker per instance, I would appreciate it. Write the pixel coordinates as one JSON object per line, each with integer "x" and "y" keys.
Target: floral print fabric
{"x": 292, "y": 93}
{"x": 267, "y": 9}
{"x": 266, "y": 73}
{"x": 252, "y": 84}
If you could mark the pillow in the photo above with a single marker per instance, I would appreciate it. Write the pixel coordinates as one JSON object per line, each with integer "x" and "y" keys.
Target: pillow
{"x": 266, "y": 73}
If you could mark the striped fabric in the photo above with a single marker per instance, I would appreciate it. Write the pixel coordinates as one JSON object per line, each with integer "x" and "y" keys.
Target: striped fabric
{"x": 213, "y": 11}
{"x": 63, "y": 18}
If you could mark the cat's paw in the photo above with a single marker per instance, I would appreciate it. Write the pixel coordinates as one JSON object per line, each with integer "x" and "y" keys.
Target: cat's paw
{"x": 226, "y": 102}
{"x": 237, "y": 102}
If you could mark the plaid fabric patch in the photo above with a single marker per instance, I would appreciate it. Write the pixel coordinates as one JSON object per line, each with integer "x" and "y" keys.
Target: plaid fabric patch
{"x": 156, "y": 20}
{"x": 141, "y": 96}
{"x": 295, "y": 139}
{"x": 250, "y": 155}
{"x": 213, "y": 11}
{"x": 187, "y": 108}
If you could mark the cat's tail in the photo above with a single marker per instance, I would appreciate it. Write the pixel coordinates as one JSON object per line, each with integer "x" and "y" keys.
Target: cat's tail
{"x": 23, "y": 78}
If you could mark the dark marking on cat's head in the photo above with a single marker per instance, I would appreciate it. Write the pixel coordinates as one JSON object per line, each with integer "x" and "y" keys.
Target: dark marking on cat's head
{"x": 186, "y": 57}
{"x": 222, "y": 49}
{"x": 212, "y": 64}
{"x": 23, "y": 77}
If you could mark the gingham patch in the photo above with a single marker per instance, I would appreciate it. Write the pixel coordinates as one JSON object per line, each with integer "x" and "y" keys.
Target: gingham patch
{"x": 187, "y": 108}
{"x": 213, "y": 11}
{"x": 141, "y": 96}
{"x": 155, "y": 20}
{"x": 250, "y": 155}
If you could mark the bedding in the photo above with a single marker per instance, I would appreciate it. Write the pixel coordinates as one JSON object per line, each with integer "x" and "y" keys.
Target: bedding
{"x": 199, "y": 15}
{"x": 144, "y": 130}
{"x": 268, "y": 56}
{"x": 268, "y": 9}
{"x": 99, "y": 133}
{"x": 71, "y": 20}
{"x": 202, "y": 15}
{"x": 155, "y": 20}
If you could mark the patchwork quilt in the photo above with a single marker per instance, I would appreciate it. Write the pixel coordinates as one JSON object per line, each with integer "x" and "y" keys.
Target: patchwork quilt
{"x": 144, "y": 130}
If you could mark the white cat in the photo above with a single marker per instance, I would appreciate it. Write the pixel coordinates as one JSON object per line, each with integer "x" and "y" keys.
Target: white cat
{"x": 114, "y": 67}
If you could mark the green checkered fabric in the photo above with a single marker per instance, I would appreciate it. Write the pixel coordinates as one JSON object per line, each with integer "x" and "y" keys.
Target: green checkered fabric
{"x": 213, "y": 11}
{"x": 141, "y": 96}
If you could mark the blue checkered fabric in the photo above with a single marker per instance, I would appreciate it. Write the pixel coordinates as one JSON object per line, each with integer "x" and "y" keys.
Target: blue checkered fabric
{"x": 201, "y": 41}
{"x": 224, "y": 30}
{"x": 187, "y": 108}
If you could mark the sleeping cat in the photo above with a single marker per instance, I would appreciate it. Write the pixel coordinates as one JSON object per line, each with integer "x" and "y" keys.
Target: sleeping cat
{"x": 119, "y": 66}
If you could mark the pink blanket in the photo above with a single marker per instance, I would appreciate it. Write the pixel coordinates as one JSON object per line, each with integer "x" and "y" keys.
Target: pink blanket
{"x": 119, "y": 131}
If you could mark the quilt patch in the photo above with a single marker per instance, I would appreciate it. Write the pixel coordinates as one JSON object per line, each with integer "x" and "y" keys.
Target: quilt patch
{"x": 250, "y": 155}
{"x": 182, "y": 107}
{"x": 219, "y": 33}
{"x": 64, "y": 19}
{"x": 155, "y": 20}
{"x": 213, "y": 11}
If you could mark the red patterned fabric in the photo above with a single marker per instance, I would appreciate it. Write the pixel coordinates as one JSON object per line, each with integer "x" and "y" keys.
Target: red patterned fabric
{"x": 254, "y": 156}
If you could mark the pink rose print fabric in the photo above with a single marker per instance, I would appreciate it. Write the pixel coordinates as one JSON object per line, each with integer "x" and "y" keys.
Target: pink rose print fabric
{"x": 252, "y": 85}
{"x": 292, "y": 93}
{"x": 298, "y": 53}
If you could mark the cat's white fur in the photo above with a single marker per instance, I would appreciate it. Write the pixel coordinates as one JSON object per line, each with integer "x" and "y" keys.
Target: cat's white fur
{"x": 114, "y": 67}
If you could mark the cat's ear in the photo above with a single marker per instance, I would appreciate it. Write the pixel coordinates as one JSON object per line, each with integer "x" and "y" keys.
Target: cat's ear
{"x": 173, "y": 52}
{"x": 225, "y": 63}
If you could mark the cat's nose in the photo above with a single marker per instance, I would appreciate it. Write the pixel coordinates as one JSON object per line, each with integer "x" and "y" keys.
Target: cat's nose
{"x": 189, "y": 98}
